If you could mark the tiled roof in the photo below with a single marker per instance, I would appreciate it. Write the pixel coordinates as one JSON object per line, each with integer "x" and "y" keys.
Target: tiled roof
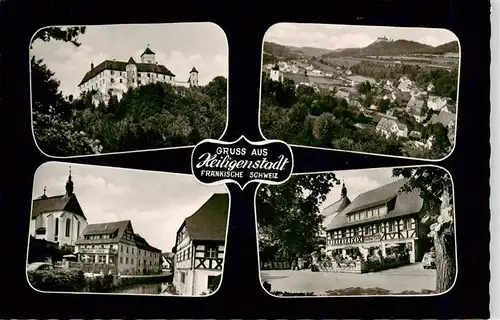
{"x": 336, "y": 207}
{"x": 401, "y": 126}
{"x": 406, "y": 203}
{"x": 209, "y": 222}
{"x": 141, "y": 243}
{"x": 415, "y": 103}
{"x": 120, "y": 66}
{"x": 104, "y": 228}
{"x": 56, "y": 203}
{"x": 386, "y": 124}
{"x": 444, "y": 118}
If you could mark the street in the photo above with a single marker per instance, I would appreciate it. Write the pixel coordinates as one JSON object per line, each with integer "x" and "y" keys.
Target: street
{"x": 412, "y": 278}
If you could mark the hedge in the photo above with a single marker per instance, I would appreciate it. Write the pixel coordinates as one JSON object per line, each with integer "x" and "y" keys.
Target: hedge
{"x": 68, "y": 280}
{"x": 58, "y": 280}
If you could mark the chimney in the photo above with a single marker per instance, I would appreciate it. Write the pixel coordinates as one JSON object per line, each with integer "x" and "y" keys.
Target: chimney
{"x": 91, "y": 66}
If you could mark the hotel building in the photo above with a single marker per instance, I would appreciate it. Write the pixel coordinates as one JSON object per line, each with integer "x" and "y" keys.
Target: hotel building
{"x": 380, "y": 219}
{"x": 113, "y": 247}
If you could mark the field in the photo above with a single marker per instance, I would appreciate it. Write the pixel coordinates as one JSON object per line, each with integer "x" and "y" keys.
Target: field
{"x": 342, "y": 62}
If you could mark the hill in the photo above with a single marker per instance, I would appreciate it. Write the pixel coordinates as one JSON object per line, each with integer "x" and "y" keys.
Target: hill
{"x": 290, "y": 52}
{"x": 390, "y": 48}
{"x": 451, "y": 46}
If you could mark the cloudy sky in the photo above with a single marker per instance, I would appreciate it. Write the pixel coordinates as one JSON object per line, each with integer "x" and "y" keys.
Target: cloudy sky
{"x": 156, "y": 203}
{"x": 339, "y": 36}
{"x": 357, "y": 182}
{"x": 178, "y": 46}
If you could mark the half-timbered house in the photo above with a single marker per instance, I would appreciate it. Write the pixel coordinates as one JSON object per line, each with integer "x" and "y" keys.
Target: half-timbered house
{"x": 381, "y": 219}
{"x": 199, "y": 247}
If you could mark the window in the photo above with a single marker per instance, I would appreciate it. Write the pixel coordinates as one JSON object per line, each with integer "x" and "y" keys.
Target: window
{"x": 138, "y": 81}
{"x": 127, "y": 249}
{"x": 150, "y": 263}
{"x": 132, "y": 250}
{"x": 121, "y": 248}
{"x": 367, "y": 213}
{"x": 68, "y": 227}
{"x": 121, "y": 259}
{"x": 367, "y": 231}
{"x": 78, "y": 228}
{"x": 121, "y": 81}
{"x": 183, "y": 277}
{"x": 112, "y": 80}
{"x": 405, "y": 224}
{"x": 112, "y": 73}
{"x": 132, "y": 260}
{"x": 126, "y": 260}
{"x": 211, "y": 252}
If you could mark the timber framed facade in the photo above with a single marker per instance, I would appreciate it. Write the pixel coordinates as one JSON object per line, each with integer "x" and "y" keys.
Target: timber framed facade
{"x": 378, "y": 221}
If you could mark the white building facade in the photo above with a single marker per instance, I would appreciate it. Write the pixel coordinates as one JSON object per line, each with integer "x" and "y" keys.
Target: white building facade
{"x": 114, "y": 78}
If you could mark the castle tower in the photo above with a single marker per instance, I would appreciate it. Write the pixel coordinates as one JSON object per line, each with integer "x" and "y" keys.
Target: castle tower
{"x": 148, "y": 56}
{"x": 193, "y": 77}
{"x": 343, "y": 192}
{"x": 131, "y": 69}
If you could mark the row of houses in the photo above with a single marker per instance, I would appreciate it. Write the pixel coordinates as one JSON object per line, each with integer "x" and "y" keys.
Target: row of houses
{"x": 196, "y": 259}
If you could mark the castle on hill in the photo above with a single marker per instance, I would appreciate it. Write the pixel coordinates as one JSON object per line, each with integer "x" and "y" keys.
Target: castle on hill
{"x": 113, "y": 78}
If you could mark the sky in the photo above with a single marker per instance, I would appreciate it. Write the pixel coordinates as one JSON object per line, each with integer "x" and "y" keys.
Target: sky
{"x": 178, "y": 46}
{"x": 340, "y": 36}
{"x": 357, "y": 182}
{"x": 156, "y": 202}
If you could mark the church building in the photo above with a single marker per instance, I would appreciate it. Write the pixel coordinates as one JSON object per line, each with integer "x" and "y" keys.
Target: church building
{"x": 114, "y": 78}
{"x": 199, "y": 247}
{"x": 58, "y": 219}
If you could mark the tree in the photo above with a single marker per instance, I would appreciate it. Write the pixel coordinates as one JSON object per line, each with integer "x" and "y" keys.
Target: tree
{"x": 53, "y": 129}
{"x": 288, "y": 218}
{"x": 435, "y": 187}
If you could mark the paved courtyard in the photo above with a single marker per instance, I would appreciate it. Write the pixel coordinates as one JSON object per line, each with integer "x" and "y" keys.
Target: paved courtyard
{"x": 412, "y": 278}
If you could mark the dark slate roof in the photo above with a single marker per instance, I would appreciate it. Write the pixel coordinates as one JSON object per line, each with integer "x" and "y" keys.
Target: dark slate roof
{"x": 141, "y": 243}
{"x": 120, "y": 66}
{"x": 104, "y": 228}
{"x": 56, "y": 203}
{"x": 209, "y": 222}
{"x": 147, "y": 51}
{"x": 336, "y": 206}
{"x": 406, "y": 203}
{"x": 194, "y": 70}
{"x": 131, "y": 61}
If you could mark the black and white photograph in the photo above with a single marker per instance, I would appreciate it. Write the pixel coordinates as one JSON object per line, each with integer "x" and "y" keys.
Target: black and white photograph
{"x": 119, "y": 231}
{"x": 379, "y": 90}
{"x": 116, "y": 88}
{"x": 370, "y": 232}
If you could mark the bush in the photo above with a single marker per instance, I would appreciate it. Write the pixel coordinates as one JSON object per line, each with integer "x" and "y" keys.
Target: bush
{"x": 214, "y": 284}
{"x": 100, "y": 284}
{"x": 57, "y": 280}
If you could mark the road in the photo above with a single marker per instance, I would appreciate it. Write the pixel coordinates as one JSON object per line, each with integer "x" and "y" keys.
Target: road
{"x": 411, "y": 278}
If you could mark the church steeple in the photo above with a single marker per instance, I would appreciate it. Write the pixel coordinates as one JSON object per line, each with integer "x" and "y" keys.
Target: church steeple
{"x": 69, "y": 185}
{"x": 44, "y": 195}
{"x": 343, "y": 193}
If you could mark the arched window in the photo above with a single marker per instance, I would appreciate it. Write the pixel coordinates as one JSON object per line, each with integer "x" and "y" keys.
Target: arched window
{"x": 56, "y": 230}
{"x": 68, "y": 226}
{"x": 78, "y": 229}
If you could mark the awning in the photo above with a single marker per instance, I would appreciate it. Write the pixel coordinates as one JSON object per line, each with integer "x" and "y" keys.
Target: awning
{"x": 392, "y": 245}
